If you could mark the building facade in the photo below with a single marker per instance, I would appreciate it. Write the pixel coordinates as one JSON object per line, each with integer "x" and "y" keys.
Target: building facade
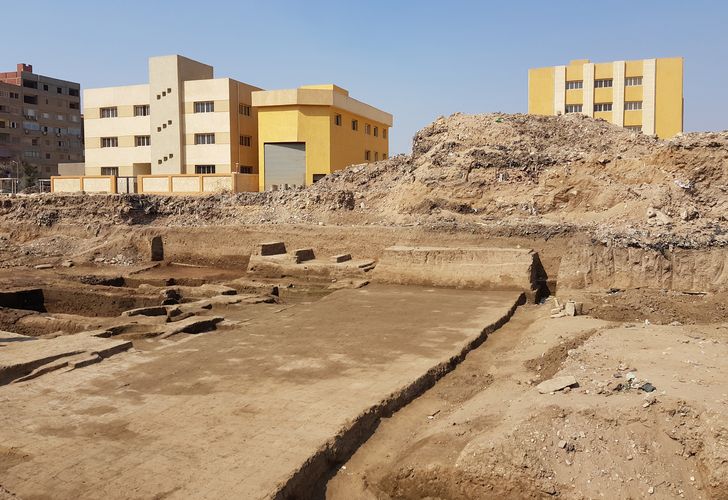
{"x": 184, "y": 121}
{"x": 314, "y": 130}
{"x": 40, "y": 122}
{"x": 644, "y": 95}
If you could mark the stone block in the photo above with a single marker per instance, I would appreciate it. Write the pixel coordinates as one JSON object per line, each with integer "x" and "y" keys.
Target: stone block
{"x": 272, "y": 248}
{"x": 303, "y": 254}
{"x": 344, "y": 257}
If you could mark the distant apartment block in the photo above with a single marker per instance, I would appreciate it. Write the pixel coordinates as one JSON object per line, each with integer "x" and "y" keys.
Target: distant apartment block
{"x": 644, "y": 95}
{"x": 188, "y": 132}
{"x": 40, "y": 121}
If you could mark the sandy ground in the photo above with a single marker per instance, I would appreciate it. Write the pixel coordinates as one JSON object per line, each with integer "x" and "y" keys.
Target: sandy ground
{"x": 484, "y": 431}
{"x": 237, "y": 412}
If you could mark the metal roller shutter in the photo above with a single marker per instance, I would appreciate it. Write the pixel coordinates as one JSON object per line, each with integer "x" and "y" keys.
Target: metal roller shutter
{"x": 285, "y": 164}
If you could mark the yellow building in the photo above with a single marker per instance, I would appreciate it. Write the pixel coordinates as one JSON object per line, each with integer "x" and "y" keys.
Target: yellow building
{"x": 183, "y": 121}
{"x": 311, "y": 131}
{"x": 645, "y": 95}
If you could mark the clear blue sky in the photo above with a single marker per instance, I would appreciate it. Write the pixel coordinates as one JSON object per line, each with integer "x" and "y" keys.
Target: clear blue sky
{"x": 415, "y": 59}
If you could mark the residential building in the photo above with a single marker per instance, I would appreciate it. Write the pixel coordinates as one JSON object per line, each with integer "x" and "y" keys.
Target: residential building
{"x": 644, "y": 95}
{"x": 311, "y": 131}
{"x": 40, "y": 122}
{"x": 184, "y": 121}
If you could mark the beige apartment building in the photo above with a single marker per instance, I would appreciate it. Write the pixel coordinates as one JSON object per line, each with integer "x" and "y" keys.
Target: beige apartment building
{"x": 184, "y": 121}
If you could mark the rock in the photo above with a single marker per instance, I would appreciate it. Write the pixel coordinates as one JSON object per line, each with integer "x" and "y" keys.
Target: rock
{"x": 303, "y": 255}
{"x": 272, "y": 248}
{"x": 570, "y": 308}
{"x": 43, "y": 266}
{"x": 67, "y": 263}
{"x": 146, "y": 311}
{"x": 647, "y": 387}
{"x": 557, "y": 384}
{"x": 192, "y": 325}
{"x": 344, "y": 257}
{"x": 562, "y": 444}
{"x": 156, "y": 249}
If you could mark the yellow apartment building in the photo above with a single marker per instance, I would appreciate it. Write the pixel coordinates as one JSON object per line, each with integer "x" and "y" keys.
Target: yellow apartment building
{"x": 644, "y": 95}
{"x": 311, "y": 131}
{"x": 183, "y": 121}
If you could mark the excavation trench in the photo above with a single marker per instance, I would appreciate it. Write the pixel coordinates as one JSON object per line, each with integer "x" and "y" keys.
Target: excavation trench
{"x": 310, "y": 480}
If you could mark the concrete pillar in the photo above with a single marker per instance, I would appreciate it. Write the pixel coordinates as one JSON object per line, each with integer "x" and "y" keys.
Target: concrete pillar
{"x": 649, "y": 71}
{"x": 559, "y": 90}
{"x": 588, "y": 77}
{"x": 618, "y": 93}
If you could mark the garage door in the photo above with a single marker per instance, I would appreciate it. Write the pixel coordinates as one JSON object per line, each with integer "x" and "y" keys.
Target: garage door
{"x": 285, "y": 165}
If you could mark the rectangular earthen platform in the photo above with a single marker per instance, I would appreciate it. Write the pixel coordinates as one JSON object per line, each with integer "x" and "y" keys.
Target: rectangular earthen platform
{"x": 237, "y": 413}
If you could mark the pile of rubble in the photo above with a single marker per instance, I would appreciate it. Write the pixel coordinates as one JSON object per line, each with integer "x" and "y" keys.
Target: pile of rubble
{"x": 530, "y": 174}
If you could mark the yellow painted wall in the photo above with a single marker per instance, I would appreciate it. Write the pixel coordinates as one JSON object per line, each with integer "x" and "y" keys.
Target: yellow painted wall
{"x": 573, "y": 96}
{"x": 329, "y": 147}
{"x": 633, "y": 93}
{"x": 541, "y": 91}
{"x": 603, "y": 94}
{"x": 632, "y": 118}
{"x": 603, "y": 70}
{"x": 668, "y": 97}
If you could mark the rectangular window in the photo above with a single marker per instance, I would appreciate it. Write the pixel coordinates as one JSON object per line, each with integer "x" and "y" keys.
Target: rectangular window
{"x": 354, "y": 124}
{"x": 603, "y": 83}
{"x": 204, "y": 138}
{"x": 376, "y": 156}
{"x": 376, "y": 131}
{"x": 574, "y": 84}
{"x": 204, "y": 107}
{"x": 109, "y": 112}
{"x": 603, "y": 106}
{"x": 245, "y": 140}
{"x": 633, "y": 81}
{"x": 245, "y": 170}
{"x": 141, "y": 110}
{"x": 573, "y": 108}
{"x": 110, "y": 171}
{"x": 367, "y": 129}
{"x": 337, "y": 120}
{"x": 74, "y": 105}
{"x": 109, "y": 142}
{"x": 632, "y": 105}
{"x": 244, "y": 109}
{"x": 367, "y": 155}
{"x": 384, "y": 156}
{"x": 30, "y": 99}
{"x": 634, "y": 128}
{"x": 142, "y": 140}
{"x": 384, "y": 133}
{"x": 73, "y": 92}
{"x": 204, "y": 169}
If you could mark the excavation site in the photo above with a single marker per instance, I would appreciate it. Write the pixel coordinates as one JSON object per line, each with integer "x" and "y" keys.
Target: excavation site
{"x": 523, "y": 307}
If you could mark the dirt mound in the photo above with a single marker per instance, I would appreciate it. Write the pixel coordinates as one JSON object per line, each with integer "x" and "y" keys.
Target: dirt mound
{"x": 530, "y": 174}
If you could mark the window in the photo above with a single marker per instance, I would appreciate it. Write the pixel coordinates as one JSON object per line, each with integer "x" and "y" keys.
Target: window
{"x": 204, "y": 169}
{"x": 45, "y": 87}
{"x": 110, "y": 171}
{"x": 73, "y": 92}
{"x": 74, "y": 105}
{"x": 602, "y": 83}
{"x": 367, "y": 129}
{"x": 204, "y": 107}
{"x": 384, "y": 156}
{"x": 318, "y": 177}
{"x": 376, "y": 131}
{"x": 245, "y": 170}
{"x": 30, "y": 99}
{"x": 48, "y": 156}
{"x": 31, "y": 154}
{"x": 354, "y": 124}
{"x": 244, "y": 109}
{"x": 633, "y": 81}
{"x": 14, "y": 95}
{"x": 245, "y": 140}
{"x": 109, "y": 142}
{"x": 634, "y": 128}
{"x": 337, "y": 119}
{"x": 204, "y": 138}
{"x": 573, "y": 108}
{"x": 384, "y": 133}
{"x": 142, "y": 140}
{"x": 141, "y": 110}
{"x": 30, "y": 84}
{"x": 109, "y": 112}
{"x": 367, "y": 155}
{"x": 574, "y": 84}
{"x": 59, "y": 90}
{"x": 2, "y": 124}
{"x": 376, "y": 156}
{"x": 603, "y": 106}
{"x": 632, "y": 105}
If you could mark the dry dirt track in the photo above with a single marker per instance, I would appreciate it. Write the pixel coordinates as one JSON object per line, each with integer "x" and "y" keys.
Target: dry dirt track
{"x": 231, "y": 414}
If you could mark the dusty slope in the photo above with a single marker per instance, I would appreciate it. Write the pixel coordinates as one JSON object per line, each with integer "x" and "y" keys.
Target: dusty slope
{"x": 528, "y": 173}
